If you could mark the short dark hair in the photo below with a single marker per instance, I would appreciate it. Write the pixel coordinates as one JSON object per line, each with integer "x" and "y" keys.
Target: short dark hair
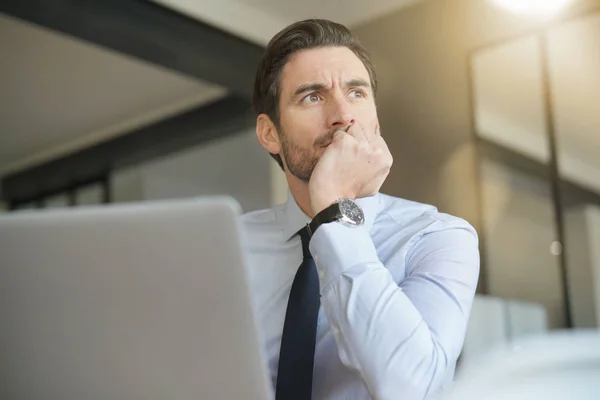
{"x": 302, "y": 35}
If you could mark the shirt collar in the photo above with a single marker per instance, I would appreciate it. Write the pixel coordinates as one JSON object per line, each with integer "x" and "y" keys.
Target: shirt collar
{"x": 295, "y": 219}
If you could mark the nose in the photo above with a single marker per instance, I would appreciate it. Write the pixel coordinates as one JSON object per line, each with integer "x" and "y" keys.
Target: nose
{"x": 340, "y": 115}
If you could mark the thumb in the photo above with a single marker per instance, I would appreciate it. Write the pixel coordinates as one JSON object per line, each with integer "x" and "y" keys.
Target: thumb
{"x": 337, "y": 135}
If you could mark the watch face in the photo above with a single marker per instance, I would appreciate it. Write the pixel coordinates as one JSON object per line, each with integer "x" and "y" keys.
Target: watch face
{"x": 351, "y": 212}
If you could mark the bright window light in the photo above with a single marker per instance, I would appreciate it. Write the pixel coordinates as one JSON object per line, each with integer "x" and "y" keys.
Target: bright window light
{"x": 533, "y": 7}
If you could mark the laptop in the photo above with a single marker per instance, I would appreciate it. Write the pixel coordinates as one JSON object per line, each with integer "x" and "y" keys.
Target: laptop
{"x": 135, "y": 301}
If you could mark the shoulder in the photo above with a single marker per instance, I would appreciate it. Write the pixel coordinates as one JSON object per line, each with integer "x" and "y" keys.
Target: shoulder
{"x": 425, "y": 232}
{"x": 260, "y": 217}
{"x": 262, "y": 225}
{"x": 416, "y": 219}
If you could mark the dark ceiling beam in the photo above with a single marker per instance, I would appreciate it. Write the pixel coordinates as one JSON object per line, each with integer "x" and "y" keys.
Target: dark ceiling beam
{"x": 150, "y": 32}
{"x": 222, "y": 118}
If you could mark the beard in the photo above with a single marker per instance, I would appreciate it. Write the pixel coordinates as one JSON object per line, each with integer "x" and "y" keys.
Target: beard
{"x": 301, "y": 161}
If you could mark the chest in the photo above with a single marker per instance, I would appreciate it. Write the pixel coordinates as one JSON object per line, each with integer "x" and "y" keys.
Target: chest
{"x": 272, "y": 268}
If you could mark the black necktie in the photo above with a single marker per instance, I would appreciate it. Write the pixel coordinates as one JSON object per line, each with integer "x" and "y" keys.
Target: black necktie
{"x": 297, "y": 354}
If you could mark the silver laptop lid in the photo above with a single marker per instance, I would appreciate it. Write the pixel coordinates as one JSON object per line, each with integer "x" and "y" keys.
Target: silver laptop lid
{"x": 138, "y": 301}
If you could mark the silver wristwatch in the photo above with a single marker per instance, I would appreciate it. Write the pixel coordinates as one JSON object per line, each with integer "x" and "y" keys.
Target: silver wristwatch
{"x": 345, "y": 211}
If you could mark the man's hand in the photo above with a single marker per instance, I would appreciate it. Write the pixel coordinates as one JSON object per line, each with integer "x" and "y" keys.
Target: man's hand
{"x": 354, "y": 165}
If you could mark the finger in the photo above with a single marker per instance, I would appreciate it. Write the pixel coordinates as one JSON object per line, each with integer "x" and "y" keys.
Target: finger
{"x": 380, "y": 143}
{"x": 357, "y": 132}
{"x": 338, "y": 135}
{"x": 338, "y": 138}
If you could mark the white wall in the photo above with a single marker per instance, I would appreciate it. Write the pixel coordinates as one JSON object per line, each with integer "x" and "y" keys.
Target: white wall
{"x": 235, "y": 166}
{"x": 509, "y": 101}
{"x": 574, "y": 62}
{"x": 583, "y": 252}
{"x": 509, "y": 97}
{"x": 518, "y": 232}
{"x": 127, "y": 185}
{"x": 279, "y": 187}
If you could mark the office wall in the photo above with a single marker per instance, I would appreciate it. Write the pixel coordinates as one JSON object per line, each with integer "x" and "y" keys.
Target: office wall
{"x": 126, "y": 185}
{"x": 236, "y": 166}
{"x": 518, "y": 231}
{"x": 421, "y": 56}
{"x": 582, "y": 225}
{"x": 279, "y": 186}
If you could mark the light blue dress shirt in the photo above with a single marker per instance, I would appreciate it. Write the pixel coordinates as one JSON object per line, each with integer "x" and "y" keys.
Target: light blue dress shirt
{"x": 396, "y": 294}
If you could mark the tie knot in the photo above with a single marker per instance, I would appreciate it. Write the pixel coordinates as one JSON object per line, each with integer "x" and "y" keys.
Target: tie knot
{"x": 305, "y": 241}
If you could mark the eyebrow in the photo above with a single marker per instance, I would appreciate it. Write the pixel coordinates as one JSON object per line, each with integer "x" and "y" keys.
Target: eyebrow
{"x": 315, "y": 87}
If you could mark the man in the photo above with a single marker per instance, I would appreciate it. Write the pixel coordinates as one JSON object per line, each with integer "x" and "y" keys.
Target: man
{"x": 379, "y": 305}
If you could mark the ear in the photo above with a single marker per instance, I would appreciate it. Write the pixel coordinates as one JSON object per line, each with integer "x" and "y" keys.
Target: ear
{"x": 267, "y": 134}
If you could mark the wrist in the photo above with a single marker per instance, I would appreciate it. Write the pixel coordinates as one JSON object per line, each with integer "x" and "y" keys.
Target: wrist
{"x": 321, "y": 202}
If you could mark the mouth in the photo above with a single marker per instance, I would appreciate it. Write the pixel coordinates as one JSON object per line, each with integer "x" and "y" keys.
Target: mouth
{"x": 325, "y": 141}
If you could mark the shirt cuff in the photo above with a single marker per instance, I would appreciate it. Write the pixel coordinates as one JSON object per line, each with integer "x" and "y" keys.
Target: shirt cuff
{"x": 336, "y": 248}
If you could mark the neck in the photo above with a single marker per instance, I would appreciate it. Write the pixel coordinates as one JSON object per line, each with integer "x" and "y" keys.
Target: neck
{"x": 301, "y": 193}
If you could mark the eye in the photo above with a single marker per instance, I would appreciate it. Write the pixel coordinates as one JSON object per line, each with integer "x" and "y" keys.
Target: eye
{"x": 358, "y": 93}
{"x": 312, "y": 98}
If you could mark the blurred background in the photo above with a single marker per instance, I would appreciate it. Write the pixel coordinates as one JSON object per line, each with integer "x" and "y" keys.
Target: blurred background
{"x": 491, "y": 109}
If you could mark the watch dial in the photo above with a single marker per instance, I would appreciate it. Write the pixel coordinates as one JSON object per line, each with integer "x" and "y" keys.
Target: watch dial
{"x": 352, "y": 211}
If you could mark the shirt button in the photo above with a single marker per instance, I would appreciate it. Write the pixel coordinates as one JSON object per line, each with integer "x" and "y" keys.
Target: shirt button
{"x": 336, "y": 331}
{"x": 316, "y": 257}
{"x": 321, "y": 274}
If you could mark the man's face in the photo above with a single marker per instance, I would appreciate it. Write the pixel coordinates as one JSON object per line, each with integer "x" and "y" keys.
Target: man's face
{"x": 322, "y": 90}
